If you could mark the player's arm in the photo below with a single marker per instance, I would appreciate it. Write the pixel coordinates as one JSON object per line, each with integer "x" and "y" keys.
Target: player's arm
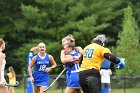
{"x": 119, "y": 62}
{"x": 1, "y": 58}
{"x": 9, "y": 75}
{"x": 110, "y": 72}
{"x": 112, "y": 58}
{"x": 35, "y": 50}
{"x": 31, "y": 65}
{"x": 65, "y": 59}
{"x": 112, "y": 67}
{"x": 53, "y": 63}
{"x": 80, "y": 50}
{"x": 101, "y": 72}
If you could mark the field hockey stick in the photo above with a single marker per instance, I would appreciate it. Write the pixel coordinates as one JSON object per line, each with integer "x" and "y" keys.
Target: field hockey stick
{"x": 12, "y": 85}
{"x": 55, "y": 80}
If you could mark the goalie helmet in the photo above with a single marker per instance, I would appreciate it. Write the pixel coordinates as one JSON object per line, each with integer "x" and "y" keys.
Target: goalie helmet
{"x": 101, "y": 38}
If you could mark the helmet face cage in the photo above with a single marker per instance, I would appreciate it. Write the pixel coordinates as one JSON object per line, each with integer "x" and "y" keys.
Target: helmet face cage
{"x": 101, "y": 38}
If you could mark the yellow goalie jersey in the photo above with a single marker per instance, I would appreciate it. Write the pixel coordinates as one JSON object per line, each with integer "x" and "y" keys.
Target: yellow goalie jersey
{"x": 93, "y": 56}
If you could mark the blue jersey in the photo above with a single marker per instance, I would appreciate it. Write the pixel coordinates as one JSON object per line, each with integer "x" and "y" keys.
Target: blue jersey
{"x": 41, "y": 77}
{"x": 72, "y": 73}
{"x": 106, "y": 64}
{"x": 75, "y": 67}
{"x": 42, "y": 63}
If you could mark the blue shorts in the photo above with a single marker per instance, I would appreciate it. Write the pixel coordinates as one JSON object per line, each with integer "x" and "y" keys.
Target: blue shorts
{"x": 73, "y": 80}
{"x": 41, "y": 79}
{"x": 41, "y": 83}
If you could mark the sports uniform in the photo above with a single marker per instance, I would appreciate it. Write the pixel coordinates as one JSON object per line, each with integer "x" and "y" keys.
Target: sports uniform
{"x": 41, "y": 78}
{"x": 12, "y": 79}
{"x": 72, "y": 73}
{"x": 93, "y": 56}
{"x": 105, "y": 79}
{"x": 90, "y": 67}
{"x": 3, "y": 89}
{"x": 2, "y": 70}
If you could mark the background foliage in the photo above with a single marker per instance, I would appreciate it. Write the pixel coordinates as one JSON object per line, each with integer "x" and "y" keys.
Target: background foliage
{"x": 25, "y": 23}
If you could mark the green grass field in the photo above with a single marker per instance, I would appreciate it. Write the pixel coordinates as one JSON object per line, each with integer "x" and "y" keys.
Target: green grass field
{"x": 20, "y": 90}
{"x": 126, "y": 90}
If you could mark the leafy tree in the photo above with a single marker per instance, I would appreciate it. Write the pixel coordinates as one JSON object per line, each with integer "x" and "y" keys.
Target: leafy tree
{"x": 135, "y": 5}
{"x": 50, "y": 20}
{"x": 128, "y": 43}
{"x": 25, "y": 23}
{"x": 11, "y": 31}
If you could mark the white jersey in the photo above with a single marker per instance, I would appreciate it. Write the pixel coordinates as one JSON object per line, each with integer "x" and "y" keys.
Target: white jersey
{"x": 2, "y": 70}
{"x": 105, "y": 75}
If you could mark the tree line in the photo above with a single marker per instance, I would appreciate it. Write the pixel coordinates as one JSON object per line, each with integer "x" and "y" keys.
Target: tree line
{"x": 25, "y": 23}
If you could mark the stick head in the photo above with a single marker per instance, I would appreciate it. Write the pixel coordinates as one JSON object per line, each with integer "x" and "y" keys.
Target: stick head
{"x": 46, "y": 89}
{"x": 13, "y": 85}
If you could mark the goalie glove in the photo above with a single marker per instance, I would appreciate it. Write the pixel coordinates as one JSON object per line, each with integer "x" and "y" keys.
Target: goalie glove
{"x": 121, "y": 65}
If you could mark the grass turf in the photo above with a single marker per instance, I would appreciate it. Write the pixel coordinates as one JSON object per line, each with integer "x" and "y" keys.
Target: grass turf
{"x": 21, "y": 90}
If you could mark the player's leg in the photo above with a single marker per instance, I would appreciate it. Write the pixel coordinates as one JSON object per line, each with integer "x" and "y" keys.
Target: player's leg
{"x": 11, "y": 90}
{"x": 42, "y": 88}
{"x": 110, "y": 90}
{"x": 4, "y": 89}
{"x": 108, "y": 86}
{"x": 90, "y": 81}
{"x": 69, "y": 82}
{"x": 94, "y": 84}
{"x": 36, "y": 89}
{"x": 104, "y": 88}
{"x": 83, "y": 84}
{"x": 70, "y": 90}
{"x": 84, "y": 87}
{"x": 79, "y": 91}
